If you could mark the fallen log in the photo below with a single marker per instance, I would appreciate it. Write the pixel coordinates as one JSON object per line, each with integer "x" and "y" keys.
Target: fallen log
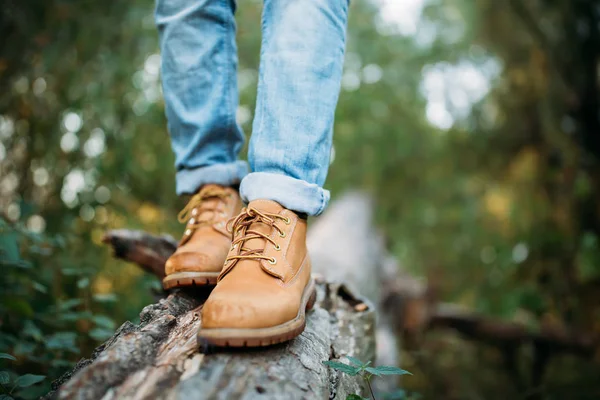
{"x": 160, "y": 358}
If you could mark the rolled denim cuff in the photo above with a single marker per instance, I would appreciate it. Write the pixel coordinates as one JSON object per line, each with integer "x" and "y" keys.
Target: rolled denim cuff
{"x": 188, "y": 181}
{"x": 294, "y": 194}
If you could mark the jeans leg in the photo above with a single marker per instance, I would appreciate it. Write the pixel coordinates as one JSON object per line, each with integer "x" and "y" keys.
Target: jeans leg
{"x": 299, "y": 82}
{"x": 199, "y": 64}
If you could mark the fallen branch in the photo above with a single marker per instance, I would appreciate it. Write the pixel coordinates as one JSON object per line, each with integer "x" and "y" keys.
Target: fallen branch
{"x": 501, "y": 333}
{"x": 413, "y": 311}
{"x": 147, "y": 251}
{"x": 416, "y": 311}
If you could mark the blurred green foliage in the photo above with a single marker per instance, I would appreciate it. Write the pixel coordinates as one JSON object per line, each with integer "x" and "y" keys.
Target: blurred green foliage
{"x": 476, "y": 128}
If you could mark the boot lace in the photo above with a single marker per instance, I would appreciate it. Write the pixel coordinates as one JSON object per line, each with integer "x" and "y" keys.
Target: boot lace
{"x": 241, "y": 224}
{"x": 197, "y": 207}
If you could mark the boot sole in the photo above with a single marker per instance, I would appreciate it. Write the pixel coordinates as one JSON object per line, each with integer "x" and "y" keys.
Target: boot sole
{"x": 187, "y": 279}
{"x": 259, "y": 337}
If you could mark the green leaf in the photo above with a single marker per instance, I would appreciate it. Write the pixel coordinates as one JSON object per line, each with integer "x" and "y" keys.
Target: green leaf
{"x": 75, "y": 316}
{"x": 373, "y": 371}
{"x": 100, "y": 334}
{"x": 355, "y": 361}
{"x": 345, "y": 368}
{"x": 83, "y": 283}
{"x": 103, "y": 321}
{"x": 67, "y": 305}
{"x": 27, "y": 209}
{"x": 9, "y": 247}
{"x": 59, "y": 241}
{"x": 7, "y": 357}
{"x": 24, "y": 348}
{"x": 154, "y": 285}
{"x": 41, "y": 250}
{"x": 39, "y": 287}
{"x": 31, "y": 330}
{"x": 387, "y": 370}
{"x": 62, "y": 341}
{"x": 105, "y": 298}
{"x": 5, "y": 397}
{"x": 72, "y": 271}
{"x": 28, "y": 380}
{"x": 354, "y": 397}
{"x": 34, "y": 392}
{"x": 4, "y": 378}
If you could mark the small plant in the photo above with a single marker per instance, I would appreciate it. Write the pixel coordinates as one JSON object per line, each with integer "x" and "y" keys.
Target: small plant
{"x": 8, "y": 385}
{"x": 44, "y": 325}
{"x": 365, "y": 371}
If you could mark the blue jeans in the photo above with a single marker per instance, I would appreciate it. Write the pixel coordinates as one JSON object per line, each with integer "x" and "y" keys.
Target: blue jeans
{"x": 300, "y": 72}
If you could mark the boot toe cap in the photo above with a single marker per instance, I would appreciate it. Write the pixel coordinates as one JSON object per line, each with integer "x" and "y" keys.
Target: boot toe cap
{"x": 245, "y": 312}
{"x": 192, "y": 262}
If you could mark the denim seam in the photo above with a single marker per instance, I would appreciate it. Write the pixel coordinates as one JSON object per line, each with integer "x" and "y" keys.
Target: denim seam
{"x": 261, "y": 67}
{"x": 322, "y": 206}
{"x": 230, "y": 105}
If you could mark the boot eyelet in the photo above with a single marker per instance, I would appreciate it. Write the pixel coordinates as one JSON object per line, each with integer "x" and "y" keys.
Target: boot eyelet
{"x": 287, "y": 221}
{"x": 194, "y": 212}
{"x": 272, "y": 261}
{"x": 192, "y": 221}
{"x": 188, "y": 232}
{"x": 281, "y": 234}
{"x": 277, "y": 247}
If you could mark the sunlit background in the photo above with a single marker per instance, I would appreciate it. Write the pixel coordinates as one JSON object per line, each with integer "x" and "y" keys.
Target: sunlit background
{"x": 473, "y": 124}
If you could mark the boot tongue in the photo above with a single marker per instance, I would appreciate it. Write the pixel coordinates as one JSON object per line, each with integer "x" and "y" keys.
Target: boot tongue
{"x": 263, "y": 206}
{"x": 206, "y": 211}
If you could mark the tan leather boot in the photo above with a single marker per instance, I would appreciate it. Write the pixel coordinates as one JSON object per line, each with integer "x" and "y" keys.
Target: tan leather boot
{"x": 203, "y": 248}
{"x": 265, "y": 286}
